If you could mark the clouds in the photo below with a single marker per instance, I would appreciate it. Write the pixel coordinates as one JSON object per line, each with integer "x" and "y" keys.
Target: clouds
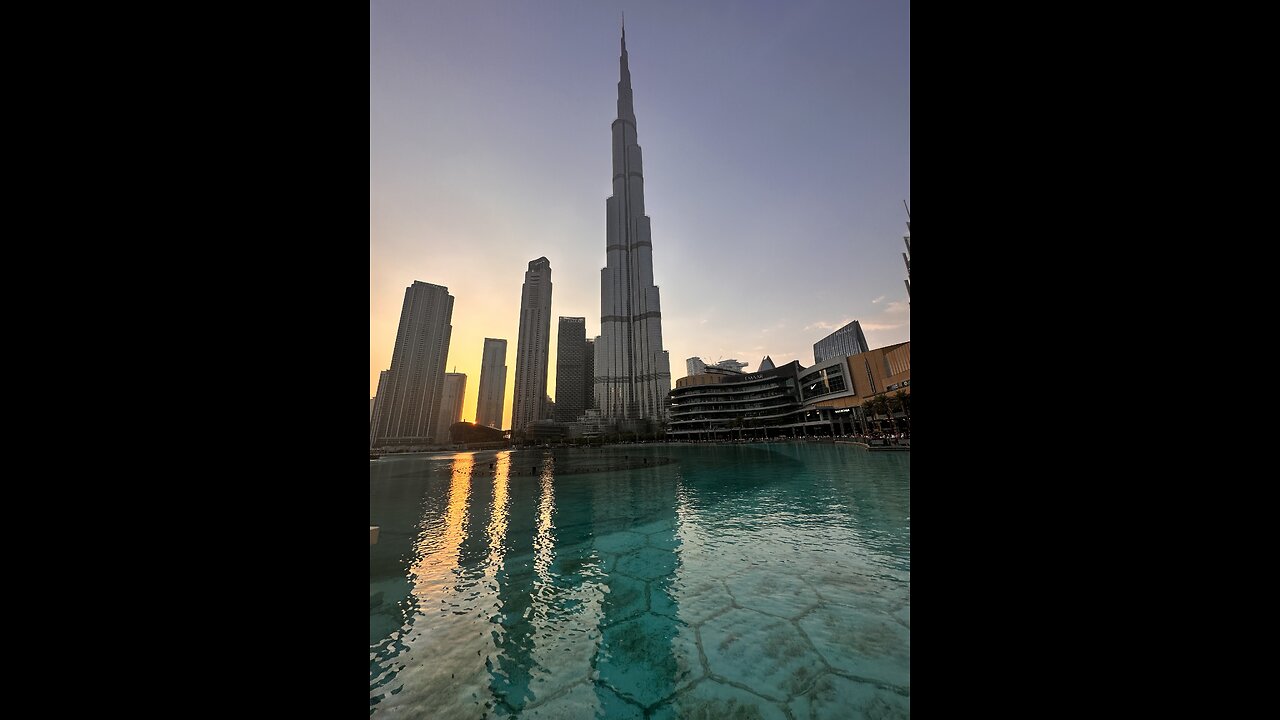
{"x": 897, "y": 306}
{"x": 824, "y": 325}
{"x": 873, "y": 302}
{"x": 875, "y": 326}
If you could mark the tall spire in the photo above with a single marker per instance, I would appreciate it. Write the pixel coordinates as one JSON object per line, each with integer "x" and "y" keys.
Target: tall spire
{"x": 626, "y": 111}
{"x": 632, "y": 370}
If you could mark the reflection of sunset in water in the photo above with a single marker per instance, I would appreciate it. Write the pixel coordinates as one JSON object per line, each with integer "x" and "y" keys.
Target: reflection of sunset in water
{"x": 544, "y": 544}
{"x": 633, "y": 591}
{"x": 497, "y": 531}
{"x": 437, "y": 552}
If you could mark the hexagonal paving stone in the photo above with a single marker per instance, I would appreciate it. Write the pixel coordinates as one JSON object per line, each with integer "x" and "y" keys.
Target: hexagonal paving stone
{"x": 861, "y": 590}
{"x": 584, "y": 700}
{"x": 619, "y": 542}
{"x": 573, "y": 566}
{"x": 607, "y": 563}
{"x": 704, "y": 562}
{"x": 772, "y": 592}
{"x": 711, "y": 700}
{"x": 648, "y": 658}
{"x": 666, "y": 540}
{"x": 419, "y": 689}
{"x": 624, "y": 597}
{"x": 761, "y": 652}
{"x": 837, "y": 698}
{"x": 688, "y": 597}
{"x": 660, "y": 525}
{"x": 648, "y": 563}
{"x": 866, "y": 645}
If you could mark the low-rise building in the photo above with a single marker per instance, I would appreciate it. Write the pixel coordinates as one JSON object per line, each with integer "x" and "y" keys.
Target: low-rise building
{"x": 790, "y": 401}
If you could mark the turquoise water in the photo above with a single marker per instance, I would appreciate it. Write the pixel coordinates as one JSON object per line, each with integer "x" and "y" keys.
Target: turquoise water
{"x": 736, "y": 581}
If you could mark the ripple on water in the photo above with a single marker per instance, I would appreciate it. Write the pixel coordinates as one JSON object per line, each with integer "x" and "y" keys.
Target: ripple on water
{"x": 733, "y": 582}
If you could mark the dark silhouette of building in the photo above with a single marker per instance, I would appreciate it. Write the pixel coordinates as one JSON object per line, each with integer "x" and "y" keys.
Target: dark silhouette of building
{"x": 571, "y": 351}
{"x": 589, "y": 374}
{"x": 533, "y": 346}
{"x": 408, "y": 406}
{"x": 493, "y": 383}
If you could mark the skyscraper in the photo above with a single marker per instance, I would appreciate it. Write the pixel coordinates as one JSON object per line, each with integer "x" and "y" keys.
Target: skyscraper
{"x": 493, "y": 383}
{"x": 377, "y": 404}
{"x": 848, "y": 340}
{"x": 906, "y": 256}
{"x": 589, "y": 375}
{"x": 633, "y": 373}
{"x": 532, "y": 345}
{"x": 571, "y": 350}
{"x": 451, "y": 397}
{"x": 408, "y": 406}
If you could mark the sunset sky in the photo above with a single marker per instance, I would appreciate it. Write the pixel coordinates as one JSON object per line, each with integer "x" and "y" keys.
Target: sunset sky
{"x": 776, "y": 141}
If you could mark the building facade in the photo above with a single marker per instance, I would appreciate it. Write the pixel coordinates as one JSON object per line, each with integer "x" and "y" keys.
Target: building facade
{"x": 571, "y": 355}
{"x": 589, "y": 374}
{"x": 906, "y": 258}
{"x": 826, "y": 399}
{"x": 452, "y": 394}
{"x": 373, "y": 412}
{"x": 725, "y": 403}
{"x": 694, "y": 366}
{"x": 493, "y": 383}
{"x": 848, "y": 340}
{"x": 633, "y": 373}
{"x": 408, "y": 402}
{"x": 532, "y": 345}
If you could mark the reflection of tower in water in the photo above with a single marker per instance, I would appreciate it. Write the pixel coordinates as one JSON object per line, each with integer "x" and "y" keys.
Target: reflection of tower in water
{"x": 548, "y": 593}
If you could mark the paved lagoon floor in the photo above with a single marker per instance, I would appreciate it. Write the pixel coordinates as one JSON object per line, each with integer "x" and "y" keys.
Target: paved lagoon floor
{"x": 718, "y": 581}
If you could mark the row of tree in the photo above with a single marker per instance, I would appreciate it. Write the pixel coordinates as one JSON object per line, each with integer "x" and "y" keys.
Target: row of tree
{"x": 888, "y": 405}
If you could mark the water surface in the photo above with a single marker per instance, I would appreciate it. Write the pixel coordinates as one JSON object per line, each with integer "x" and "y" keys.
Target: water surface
{"x": 751, "y": 581}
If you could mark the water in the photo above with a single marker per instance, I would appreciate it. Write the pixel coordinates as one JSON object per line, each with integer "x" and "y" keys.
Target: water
{"x": 740, "y": 581}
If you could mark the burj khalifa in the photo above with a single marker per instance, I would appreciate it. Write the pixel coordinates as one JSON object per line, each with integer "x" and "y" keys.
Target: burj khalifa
{"x": 632, "y": 371}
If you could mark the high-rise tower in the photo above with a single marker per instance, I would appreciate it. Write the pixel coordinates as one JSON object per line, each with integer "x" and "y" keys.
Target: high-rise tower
{"x": 408, "y": 404}
{"x": 493, "y": 383}
{"x": 533, "y": 345}
{"x": 848, "y": 340}
{"x": 906, "y": 256}
{"x": 453, "y": 392}
{"x": 633, "y": 373}
{"x": 571, "y": 350}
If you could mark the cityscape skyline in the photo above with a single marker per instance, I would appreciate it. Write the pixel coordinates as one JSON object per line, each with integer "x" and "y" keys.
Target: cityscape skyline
{"x": 741, "y": 210}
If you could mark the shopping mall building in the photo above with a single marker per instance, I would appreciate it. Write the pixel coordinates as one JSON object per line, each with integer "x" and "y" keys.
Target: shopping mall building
{"x": 790, "y": 401}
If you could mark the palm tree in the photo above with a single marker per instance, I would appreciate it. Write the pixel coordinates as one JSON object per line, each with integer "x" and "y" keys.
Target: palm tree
{"x": 873, "y": 406}
{"x": 901, "y": 398}
{"x": 888, "y": 410}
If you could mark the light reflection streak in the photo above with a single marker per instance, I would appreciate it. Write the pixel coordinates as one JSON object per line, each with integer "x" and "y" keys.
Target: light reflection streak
{"x": 438, "y": 554}
{"x": 544, "y": 544}
{"x": 497, "y": 530}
